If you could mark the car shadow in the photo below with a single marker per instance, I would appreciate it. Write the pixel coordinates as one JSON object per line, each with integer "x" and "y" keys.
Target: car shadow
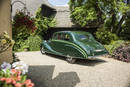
{"x": 42, "y": 76}
{"x": 84, "y": 62}
{"x": 90, "y": 62}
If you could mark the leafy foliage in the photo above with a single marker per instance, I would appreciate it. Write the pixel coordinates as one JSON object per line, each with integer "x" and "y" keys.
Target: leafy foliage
{"x": 110, "y": 13}
{"x": 26, "y": 30}
{"x": 105, "y": 36}
{"x": 22, "y": 19}
{"x": 23, "y": 27}
{"x": 33, "y": 43}
{"x": 83, "y": 12}
{"x": 122, "y": 53}
{"x": 43, "y": 23}
{"x": 113, "y": 45}
{"x": 126, "y": 29}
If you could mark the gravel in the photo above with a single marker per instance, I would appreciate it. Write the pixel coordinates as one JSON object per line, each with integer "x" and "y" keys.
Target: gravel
{"x": 54, "y": 71}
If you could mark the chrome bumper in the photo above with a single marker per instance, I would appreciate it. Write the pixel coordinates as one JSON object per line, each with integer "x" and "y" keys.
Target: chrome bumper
{"x": 96, "y": 57}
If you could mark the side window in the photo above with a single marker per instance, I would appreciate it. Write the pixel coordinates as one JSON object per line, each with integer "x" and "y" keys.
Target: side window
{"x": 55, "y": 36}
{"x": 59, "y": 36}
{"x": 66, "y": 37}
{"x": 62, "y": 36}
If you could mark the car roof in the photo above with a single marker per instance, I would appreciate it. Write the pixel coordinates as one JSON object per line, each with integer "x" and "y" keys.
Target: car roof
{"x": 76, "y": 32}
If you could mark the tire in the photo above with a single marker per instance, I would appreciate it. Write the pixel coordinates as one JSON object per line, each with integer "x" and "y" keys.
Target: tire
{"x": 70, "y": 60}
{"x": 42, "y": 50}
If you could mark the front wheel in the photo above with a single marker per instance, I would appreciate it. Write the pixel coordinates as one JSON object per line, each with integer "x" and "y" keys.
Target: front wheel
{"x": 70, "y": 60}
{"x": 42, "y": 50}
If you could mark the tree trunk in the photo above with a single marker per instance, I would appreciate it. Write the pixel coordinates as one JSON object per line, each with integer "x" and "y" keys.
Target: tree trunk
{"x": 113, "y": 22}
{"x": 119, "y": 24}
{"x": 99, "y": 14}
{"x": 127, "y": 1}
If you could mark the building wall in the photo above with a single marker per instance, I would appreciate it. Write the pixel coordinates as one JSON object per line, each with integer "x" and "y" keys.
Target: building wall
{"x": 62, "y": 12}
{"x": 5, "y": 25}
{"x": 32, "y": 6}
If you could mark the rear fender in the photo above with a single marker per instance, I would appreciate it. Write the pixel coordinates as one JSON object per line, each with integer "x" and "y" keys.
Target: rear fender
{"x": 78, "y": 51}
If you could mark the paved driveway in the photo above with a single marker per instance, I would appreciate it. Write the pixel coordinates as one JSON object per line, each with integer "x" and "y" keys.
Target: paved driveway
{"x": 54, "y": 71}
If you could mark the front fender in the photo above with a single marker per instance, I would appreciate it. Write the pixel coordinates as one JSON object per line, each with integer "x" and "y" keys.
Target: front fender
{"x": 46, "y": 46}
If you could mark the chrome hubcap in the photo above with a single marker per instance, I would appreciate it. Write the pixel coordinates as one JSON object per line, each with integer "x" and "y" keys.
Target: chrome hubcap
{"x": 42, "y": 50}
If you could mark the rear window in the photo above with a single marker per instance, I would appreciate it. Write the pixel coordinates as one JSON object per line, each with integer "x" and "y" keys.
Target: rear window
{"x": 86, "y": 37}
{"x": 83, "y": 37}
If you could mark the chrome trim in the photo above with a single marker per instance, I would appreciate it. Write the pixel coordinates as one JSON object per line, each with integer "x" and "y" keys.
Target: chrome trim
{"x": 95, "y": 57}
{"x": 99, "y": 50}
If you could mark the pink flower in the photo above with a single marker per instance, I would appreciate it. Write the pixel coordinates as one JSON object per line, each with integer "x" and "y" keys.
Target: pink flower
{"x": 13, "y": 71}
{"x": 2, "y": 79}
{"x": 8, "y": 80}
{"x": 18, "y": 85}
{"x": 18, "y": 78}
{"x": 28, "y": 81}
{"x": 13, "y": 81}
{"x": 19, "y": 72}
{"x": 30, "y": 85}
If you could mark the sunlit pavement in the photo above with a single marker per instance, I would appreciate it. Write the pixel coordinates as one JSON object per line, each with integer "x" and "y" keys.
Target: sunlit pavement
{"x": 54, "y": 71}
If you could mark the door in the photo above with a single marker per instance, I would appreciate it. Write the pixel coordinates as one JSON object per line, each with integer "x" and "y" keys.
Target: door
{"x": 55, "y": 43}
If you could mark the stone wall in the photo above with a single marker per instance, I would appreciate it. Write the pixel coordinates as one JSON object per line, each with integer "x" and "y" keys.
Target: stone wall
{"x": 5, "y": 25}
{"x": 62, "y": 17}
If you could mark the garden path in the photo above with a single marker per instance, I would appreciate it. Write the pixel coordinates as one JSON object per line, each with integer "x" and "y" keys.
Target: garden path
{"x": 54, "y": 71}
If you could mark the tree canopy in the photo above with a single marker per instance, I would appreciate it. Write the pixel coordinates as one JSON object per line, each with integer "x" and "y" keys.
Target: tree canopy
{"x": 108, "y": 13}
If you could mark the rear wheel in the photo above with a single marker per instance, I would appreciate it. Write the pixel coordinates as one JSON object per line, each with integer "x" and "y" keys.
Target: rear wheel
{"x": 70, "y": 59}
{"x": 42, "y": 50}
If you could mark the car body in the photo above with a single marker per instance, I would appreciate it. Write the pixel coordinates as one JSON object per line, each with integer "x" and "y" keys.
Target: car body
{"x": 73, "y": 45}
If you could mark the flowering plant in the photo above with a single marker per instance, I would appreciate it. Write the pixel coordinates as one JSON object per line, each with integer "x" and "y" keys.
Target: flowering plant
{"x": 5, "y": 42}
{"x": 23, "y": 26}
{"x": 14, "y": 75}
{"x": 23, "y": 19}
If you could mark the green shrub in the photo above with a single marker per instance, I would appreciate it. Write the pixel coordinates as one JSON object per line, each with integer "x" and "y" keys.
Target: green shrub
{"x": 105, "y": 37}
{"x": 113, "y": 45}
{"x": 43, "y": 23}
{"x": 23, "y": 27}
{"x": 33, "y": 43}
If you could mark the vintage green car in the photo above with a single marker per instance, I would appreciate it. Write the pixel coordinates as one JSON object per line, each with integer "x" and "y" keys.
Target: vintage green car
{"x": 73, "y": 45}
